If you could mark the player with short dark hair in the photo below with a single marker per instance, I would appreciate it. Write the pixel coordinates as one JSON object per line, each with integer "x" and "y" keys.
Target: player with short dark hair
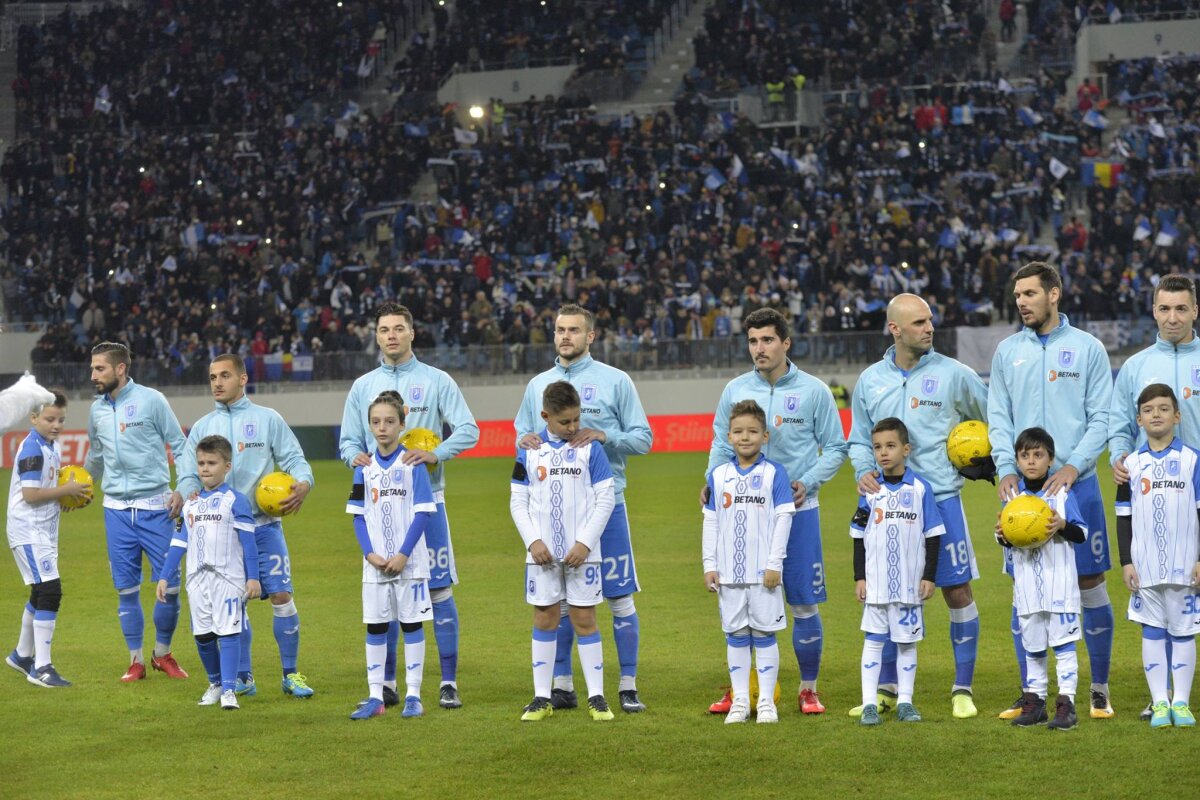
{"x": 931, "y": 393}
{"x": 261, "y": 440}
{"x": 1158, "y": 536}
{"x": 1046, "y": 598}
{"x": 1174, "y": 359}
{"x": 747, "y": 523}
{"x": 561, "y": 498}
{"x": 612, "y": 414}
{"x": 33, "y": 518}
{"x": 217, "y": 536}
{"x": 1055, "y": 376}
{"x": 806, "y": 437}
{"x": 433, "y": 401}
{"x": 129, "y": 428}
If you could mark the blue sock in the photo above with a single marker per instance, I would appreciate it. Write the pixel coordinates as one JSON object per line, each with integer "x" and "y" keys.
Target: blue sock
{"x": 562, "y": 652}
{"x": 230, "y": 648}
{"x": 166, "y": 617}
{"x": 245, "y": 673}
{"x": 287, "y": 635}
{"x": 1098, "y": 636}
{"x": 887, "y": 665}
{"x": 964, "y": 636}
{"x": 445, "y": 630}
{"x": 133, "y": 621}
{"x": 393, "y": 642}
{"x": 210, "y": 658}
{"x": 808, "y": 639}
{"x": 626, "y": 637}
{"x": 1019, "y": 648}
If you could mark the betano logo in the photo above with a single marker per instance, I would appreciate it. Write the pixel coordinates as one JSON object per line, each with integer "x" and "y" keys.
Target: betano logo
{"x": 778, "y": 421}
{"x": 374, "y": 495}
{"x": 541, "y": 473}
{"x": 726, "y": 499}
{"x": 878, "y": 515}
{"x": 1145, "y": 486}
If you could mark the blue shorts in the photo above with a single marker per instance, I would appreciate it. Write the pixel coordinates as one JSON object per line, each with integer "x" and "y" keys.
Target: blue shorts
{"x": 274, "y": 563}
{"x": 804, "y": 567}
{"x": 1091, "y": 556}
{"x": 956, "y": 561}
{"x": 441, "y": 552}
{"x": 616, "y": 548}
{"x": 131, "y": 532}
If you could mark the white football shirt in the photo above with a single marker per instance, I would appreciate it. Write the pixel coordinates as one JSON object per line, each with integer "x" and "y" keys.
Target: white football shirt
{"x": 211, "y": 521}
{"x": 746, "y": 505}
{"x": 894, "y": 523}
{"x": 558, "y": 488}
{"x": 35, "y": 467}
{"x": 388, "y": 494}
{"x": 1045, "y": 578}
{"x": 1162, "y": 496}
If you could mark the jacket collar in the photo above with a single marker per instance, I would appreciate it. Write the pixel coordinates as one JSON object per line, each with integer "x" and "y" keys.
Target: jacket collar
{"x": 785, "y": 378}
{"x": 241, "y": 404}
{"x": 577, "y": 367}
{"x": 1063, "y": 324}
{"x": 399, "y": 369}
{"x": 1174, "y": 349}
{"x": 122, "y": 393}
{"x": 890, "y": 359}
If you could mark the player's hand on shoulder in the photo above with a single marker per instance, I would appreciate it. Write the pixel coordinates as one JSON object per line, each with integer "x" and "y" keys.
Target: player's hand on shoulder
{"x": 1007, "y": 489}
{"x": 1063, "y": 479}
{"x": 361, "y": 460}
{"x": 253, "y": 589}
{"x": 414, "y": 457}
{"x": 541, "y": 553}
{"x": 772, "y": 578}
{"x": 1120, "y": 471}
{"x": 869, "y": 483}
{"x": 175, "y": 504}
{"x": 712, "y": 581}
{"x": 530, "y": 441}
{"x": 586, "y": 435}
{"x": 291, "y": 504}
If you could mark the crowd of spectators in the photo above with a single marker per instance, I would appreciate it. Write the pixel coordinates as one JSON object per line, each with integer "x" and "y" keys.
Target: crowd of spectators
{"x": 194, "y": 62}
{"x": 671, "y": 227}
{"x": 918, "y": 41}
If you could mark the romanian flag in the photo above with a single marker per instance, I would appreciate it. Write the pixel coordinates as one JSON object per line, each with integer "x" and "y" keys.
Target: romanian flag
{"x": 1105, "y": 173}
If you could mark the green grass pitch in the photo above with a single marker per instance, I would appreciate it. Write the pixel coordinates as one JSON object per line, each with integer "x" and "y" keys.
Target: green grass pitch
{"x": 102, "y": 738}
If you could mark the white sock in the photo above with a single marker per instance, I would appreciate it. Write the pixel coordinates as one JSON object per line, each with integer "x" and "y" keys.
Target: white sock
{"x": 591, "y": 661}
{"x": 25, "y": 641}
{"x": 43, "y": 634}
{"x": 137, "y": 656}
{"x": 1067, "y": 667}
{"x": 739, "y": 670}
{"x": 767, "y": 661}
{"x": 543, "y": 666}
{"x": 1183, "y": 669}
{"x": 1154, "y": 662}
{"x": 906, "y": 671}
{"x": 564, "y": 682}
{"x": 1037, "y": 678}
{"x": 376, "y": 655}
{"x": 161, "y": 650}
{"x": 872, "y": 656}
{"x": 389, "y": 684}
{"x": 414, "y": 667}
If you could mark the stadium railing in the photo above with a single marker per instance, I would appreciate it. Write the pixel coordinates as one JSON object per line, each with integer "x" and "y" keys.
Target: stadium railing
{"x": 632, "y": 355}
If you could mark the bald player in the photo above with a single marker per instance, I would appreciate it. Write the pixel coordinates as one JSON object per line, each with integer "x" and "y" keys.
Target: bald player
{"x": 930, "y": 393}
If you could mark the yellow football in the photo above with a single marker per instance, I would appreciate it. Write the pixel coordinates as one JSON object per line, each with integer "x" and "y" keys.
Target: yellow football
{"x": 968, "y": 441}
{"x": 754, "y": 689}
{"x": 1023, "y": 521}
{"x": 272, "y": 490}
{"x": 79, "y": 475}
{"x": 421, "y": 439}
